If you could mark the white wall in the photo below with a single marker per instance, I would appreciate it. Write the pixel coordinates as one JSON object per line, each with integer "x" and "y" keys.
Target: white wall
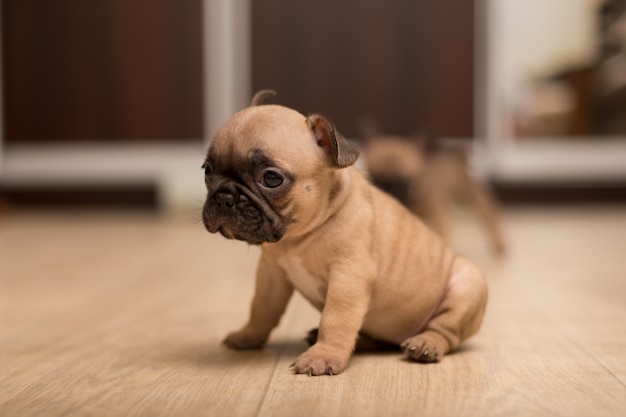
{"x": 537, "y": 37}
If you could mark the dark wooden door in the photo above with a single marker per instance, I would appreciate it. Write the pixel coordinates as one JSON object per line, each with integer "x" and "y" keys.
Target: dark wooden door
{"x": 406, "y": 64}
{"x": 115, "y": 70}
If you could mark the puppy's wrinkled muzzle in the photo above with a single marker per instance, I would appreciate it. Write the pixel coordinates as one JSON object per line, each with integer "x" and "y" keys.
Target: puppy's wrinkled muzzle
{"x": 234, "y": 214}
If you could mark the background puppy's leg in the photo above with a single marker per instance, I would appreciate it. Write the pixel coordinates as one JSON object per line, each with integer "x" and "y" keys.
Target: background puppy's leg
{"x": 435, "y": 212}
{"x": 272, "y": 293}
{"x": 458, "y": 316}
{"x": 439, "y": 217}
{"x": 427, "y": 198}
{"x": 484, "y": 204}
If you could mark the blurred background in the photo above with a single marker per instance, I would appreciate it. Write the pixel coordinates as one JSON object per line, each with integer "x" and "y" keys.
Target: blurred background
{"x": 111, "y": 103}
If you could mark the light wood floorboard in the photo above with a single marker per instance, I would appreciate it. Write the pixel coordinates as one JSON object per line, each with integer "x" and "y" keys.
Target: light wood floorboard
{"x": 123, "y": 315}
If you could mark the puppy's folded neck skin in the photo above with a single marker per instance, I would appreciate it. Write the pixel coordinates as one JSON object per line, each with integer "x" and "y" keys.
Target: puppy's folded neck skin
{"x": 326, "y": 208}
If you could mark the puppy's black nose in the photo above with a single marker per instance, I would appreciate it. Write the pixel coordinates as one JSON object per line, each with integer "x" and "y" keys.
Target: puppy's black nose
{"x": 225, "y": 201}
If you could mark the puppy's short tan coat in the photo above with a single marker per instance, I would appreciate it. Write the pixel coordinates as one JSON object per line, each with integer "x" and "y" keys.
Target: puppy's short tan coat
{"x": 286, "y": 182}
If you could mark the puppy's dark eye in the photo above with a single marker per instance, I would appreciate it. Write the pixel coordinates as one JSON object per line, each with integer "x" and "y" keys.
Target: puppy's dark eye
{"x": 272, "y": 179}
{"x": 207, "y": 170}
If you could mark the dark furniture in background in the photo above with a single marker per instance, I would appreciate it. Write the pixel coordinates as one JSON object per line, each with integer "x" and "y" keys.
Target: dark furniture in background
{"x": 95, "y": 71}
{"x": 120, "y": 71}
{"x": 407, "y": 65}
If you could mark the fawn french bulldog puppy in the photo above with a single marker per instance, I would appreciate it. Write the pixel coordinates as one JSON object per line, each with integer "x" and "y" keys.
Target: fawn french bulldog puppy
{"x": 278, "y": 179}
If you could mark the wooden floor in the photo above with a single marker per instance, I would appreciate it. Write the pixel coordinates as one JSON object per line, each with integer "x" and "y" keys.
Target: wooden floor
{"x": 123, "y": 315}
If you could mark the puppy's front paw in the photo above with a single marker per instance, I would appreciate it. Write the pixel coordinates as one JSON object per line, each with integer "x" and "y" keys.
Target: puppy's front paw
{"x": 321, "y": 360}
{"x": 245, "y": 339}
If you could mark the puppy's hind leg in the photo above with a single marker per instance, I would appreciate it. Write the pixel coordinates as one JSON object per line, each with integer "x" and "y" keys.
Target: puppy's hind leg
{"x": 458, "y": 316}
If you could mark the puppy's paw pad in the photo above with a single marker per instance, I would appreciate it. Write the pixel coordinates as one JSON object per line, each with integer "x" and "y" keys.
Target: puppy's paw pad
{"x": 423, "y": 348}
{"x": 244, "y": 340}
{"x": 315, "y": 362}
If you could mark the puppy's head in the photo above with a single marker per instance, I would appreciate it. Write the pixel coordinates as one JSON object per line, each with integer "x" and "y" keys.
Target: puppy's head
{"x": 267, "y": 170}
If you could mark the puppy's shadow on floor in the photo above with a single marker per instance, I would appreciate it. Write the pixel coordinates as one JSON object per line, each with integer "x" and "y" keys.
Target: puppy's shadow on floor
{"x": 212, "y": 354}
{"x": 215, "y": 355}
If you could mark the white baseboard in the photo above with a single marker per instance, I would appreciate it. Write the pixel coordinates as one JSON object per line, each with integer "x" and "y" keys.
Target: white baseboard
{"x": 175, "y": 169}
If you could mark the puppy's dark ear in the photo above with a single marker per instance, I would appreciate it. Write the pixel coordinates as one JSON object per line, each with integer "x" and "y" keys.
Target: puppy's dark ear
{"x": 341, "y": 152}
{"x": 260, "y": 97}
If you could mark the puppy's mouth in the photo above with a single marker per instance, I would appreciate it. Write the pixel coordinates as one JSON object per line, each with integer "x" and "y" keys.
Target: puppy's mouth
{"x": 237, "y": 214}
{"x": 229, "y": 233}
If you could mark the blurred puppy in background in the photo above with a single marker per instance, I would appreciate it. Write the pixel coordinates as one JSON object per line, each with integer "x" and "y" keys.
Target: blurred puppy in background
{"x": 429, "y": 177}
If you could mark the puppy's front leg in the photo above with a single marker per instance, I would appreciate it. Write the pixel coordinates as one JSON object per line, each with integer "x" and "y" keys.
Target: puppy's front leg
{"x": 345, "y": 306}
{"x": 272, "y": 293}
